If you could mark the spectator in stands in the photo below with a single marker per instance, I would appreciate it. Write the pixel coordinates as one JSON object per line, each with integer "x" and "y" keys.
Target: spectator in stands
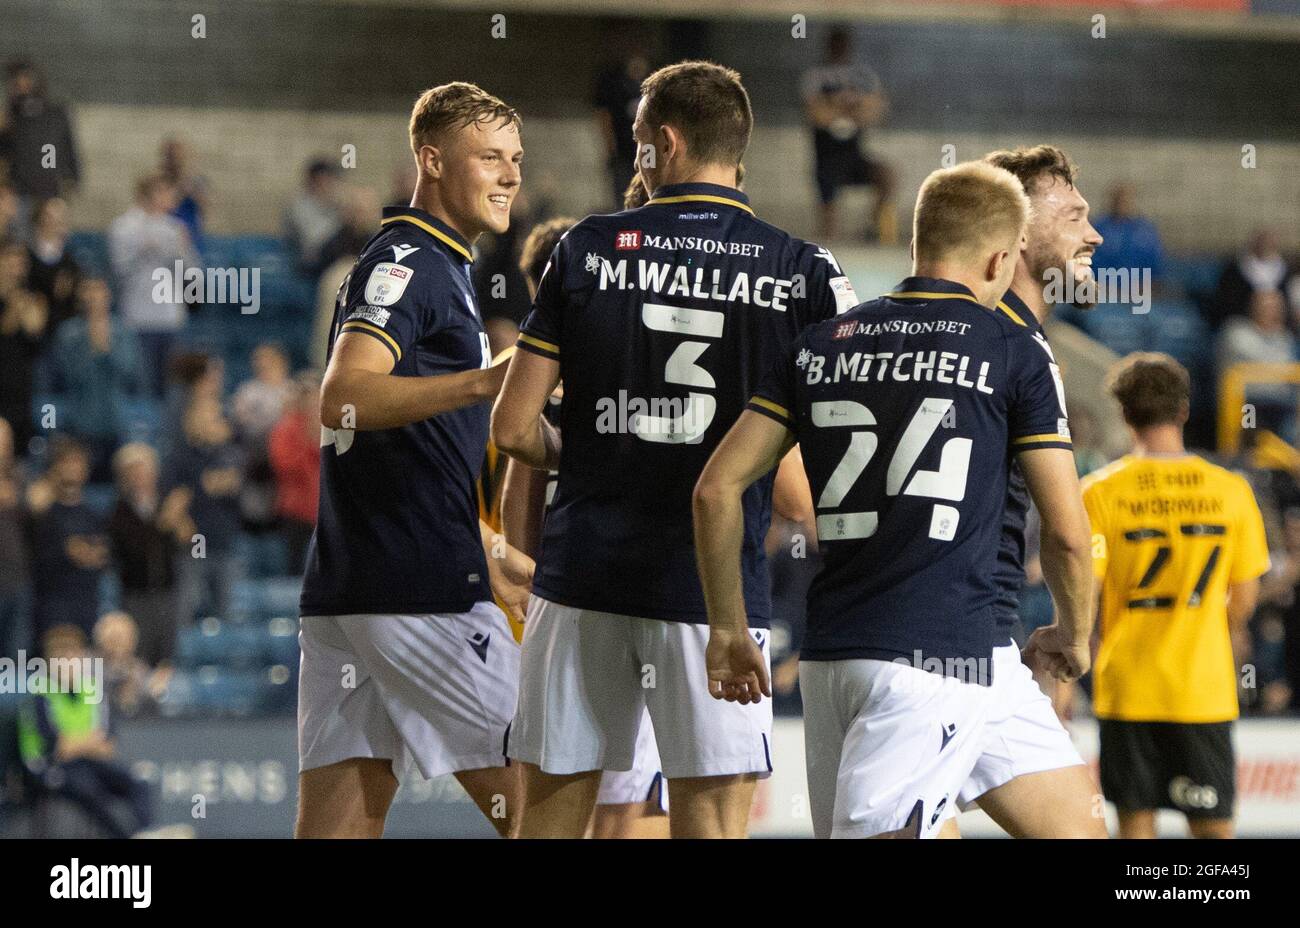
{"x": 32, "y": 121}
{"x": 132, "y": 686}
{"x": 313, "y": 217}
{"x": 69, "y": 544}
{"x": 15, "y": 580}
{"x": 66, "y": 741}
{"x": 361, "y": 214}
{"x": 261, "y": 400}
{"x": 191, "y": 189}
{"x": 615, "y": 98}
{"x": 95, "y": 367}
{"x": 210, "y": 466}
{"x": 148, "y": 533}
{"x": 190, "y": 374}
{"x": 1260, "y": 267}
{"x": 144, "y": 240}
{"x": 294, "y": 449}
{"x": 842, "y": 99}
{"x": 1129, "y": 239}
{"x": 11, "y": 224}
{"x": 1263, "y": 337}
{"x": 53, "y": 272}
{"x": 23, "y": 327}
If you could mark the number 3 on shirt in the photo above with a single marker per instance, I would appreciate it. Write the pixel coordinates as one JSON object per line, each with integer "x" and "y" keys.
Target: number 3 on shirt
{"x": 682, "y": 424}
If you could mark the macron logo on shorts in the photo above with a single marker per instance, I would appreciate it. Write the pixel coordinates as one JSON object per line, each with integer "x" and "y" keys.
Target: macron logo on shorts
{"x": 948, "y": 731}
{"x": 480, "y": 644}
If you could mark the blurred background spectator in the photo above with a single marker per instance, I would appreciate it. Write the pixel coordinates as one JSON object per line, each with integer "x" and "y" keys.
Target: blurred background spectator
{"x": 23, "y": 337}
{"x": 149, "y": 533}
{"x": 177, "y": 168}
{"x": 67, "y": 743}
{"x": 69, "y": 545}
{"x": 1261, "y": 266}
{"x": 131, "y": 686}
{"x": 1262, "y": 336}
{"x": 146, "y": 239}
{"x": 842, "y": 99}
{"x": 95, "y": 367}
{"x": 1130, "y": 240}
{"x": 313, "y": 217}
{"x": 614, "y": 99}
{"x": 210, "y": 467}
{"x": 15, "y": 591}
{"x": 32, "y": 121}
{"x": 294, "y": 449}
{"x": 53, "y": 271}
{"x": 360, "y": 220}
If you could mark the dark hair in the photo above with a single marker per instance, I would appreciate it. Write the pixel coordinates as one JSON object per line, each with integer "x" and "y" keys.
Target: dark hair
{"x": 1152, "y": 389}
{"x": 707, "y": 103}
{"x": 540, "y": 243}
{"x": 1030, "y": 165}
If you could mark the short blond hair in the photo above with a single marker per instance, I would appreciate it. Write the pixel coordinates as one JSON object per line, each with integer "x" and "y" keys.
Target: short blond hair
{"x": 965, "y": 209}
{"x": 451, "y": 107}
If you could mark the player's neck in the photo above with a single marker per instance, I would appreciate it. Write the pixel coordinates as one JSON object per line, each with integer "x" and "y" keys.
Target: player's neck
{"x": 428, "y": 198}
{"x": 1031, "y": 292}
{"x": 721, "y": 175}
{"x": 1159, "y": 440}
{"x": 958, "y": 275}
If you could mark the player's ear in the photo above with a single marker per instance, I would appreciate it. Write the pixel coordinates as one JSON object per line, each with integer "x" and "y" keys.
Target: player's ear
{"x": 993, "y": 269}
{"x": 670, "y": 142}
{"x": 430, "y": 159}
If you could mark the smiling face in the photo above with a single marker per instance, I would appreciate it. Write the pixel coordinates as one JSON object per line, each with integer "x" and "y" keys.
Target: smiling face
{"x": 1060, "y": 236}
{"x": 478, "y": 171}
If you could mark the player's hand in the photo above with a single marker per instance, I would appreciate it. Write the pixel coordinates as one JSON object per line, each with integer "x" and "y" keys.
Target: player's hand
{"x": 510, "y": 574}
{"x": 737, "y": 670}
{"x": 1050, "y": 650}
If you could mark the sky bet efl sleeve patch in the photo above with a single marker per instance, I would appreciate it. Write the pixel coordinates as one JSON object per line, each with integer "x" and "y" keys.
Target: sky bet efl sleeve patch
{"x": 387, "y": 283}
{"x": 845, "y": 298}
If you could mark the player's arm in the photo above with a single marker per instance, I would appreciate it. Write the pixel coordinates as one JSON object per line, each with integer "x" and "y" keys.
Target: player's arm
{"x": 361, "y": 392}
{"x": 1243, "y": 597}
{"x": 791, "y": 495}
{"x": 518, "y": 427}
{"x": 523, "y": 500}
{"x": 753, "y": 446}
{"x": 510, "y": 571}
{"x": 1066, "y": 556}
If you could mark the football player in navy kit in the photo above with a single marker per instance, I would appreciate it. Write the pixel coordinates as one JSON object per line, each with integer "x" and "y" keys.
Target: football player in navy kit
{"x": 406, "y": 660}
{"x": 660, "y": 321}
{"x": 907, "y": 409}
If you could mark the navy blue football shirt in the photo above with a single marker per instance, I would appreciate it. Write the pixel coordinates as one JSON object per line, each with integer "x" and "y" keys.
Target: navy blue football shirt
{"x": 907, "y": 410}
{"x": 398, "y": 525}
{"x": 663, "y": 319}
{"x": 1010, "y": 570}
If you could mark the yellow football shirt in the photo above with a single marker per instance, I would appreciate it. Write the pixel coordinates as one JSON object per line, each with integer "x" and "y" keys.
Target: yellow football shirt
{"x": 1169, "y": 535}
{"x": 491, "y": 481}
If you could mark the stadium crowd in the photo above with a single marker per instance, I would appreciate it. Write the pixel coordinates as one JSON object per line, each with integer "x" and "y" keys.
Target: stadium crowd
{"x": 117, "y": 538}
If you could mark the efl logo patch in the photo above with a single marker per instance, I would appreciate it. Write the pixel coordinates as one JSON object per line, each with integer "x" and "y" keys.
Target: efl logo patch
{"x": 845, "y": 298}
{"x": 628, "y": 241}
{"x": 387, "y": 283}
{"x": 845, "y": 330}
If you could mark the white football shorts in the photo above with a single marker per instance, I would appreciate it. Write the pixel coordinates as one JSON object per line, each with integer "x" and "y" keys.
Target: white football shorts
{"x": 588, "y": 679}
{"x": 436, "y": 692}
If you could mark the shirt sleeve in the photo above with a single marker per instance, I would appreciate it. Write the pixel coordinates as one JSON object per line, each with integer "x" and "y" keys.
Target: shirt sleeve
{"x": 386, "y": 301}
{"x": 1094, "y": 503}
{"x": 829, "y": 290}
{"x": 1036, "y": 417}
{"x": 775, "y": 397}
{"x": 1251, "y": 558}
{"x": 542, "y": 332}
